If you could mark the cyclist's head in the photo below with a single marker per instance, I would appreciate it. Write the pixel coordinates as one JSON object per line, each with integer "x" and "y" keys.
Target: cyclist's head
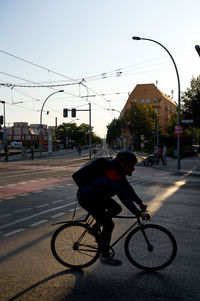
{"x": 127, "y": 160}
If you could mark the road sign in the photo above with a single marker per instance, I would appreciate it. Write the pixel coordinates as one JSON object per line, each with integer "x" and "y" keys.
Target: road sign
{"x": 179, "y": 131}
{"x": 187, "y": 121}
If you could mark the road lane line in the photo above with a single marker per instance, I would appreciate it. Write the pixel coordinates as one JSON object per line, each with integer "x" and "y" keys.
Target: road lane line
{"x": 22, "y": 210}
{"x": 5, "y": 215}
{"x": 13, "y": 232}
{"x": 10, "y": 198}
{"x": 34, "y": 215}
{"x": 77, "y": 208}
{"x": 57, "y": 215}
{"x": 57, "y": 201}
{"x": 43, "y": 205}
{"x": 23, "y": 194}
{"x": 38, "y": 223}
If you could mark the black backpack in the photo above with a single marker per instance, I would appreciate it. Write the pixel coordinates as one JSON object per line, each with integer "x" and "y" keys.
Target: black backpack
{"x": 91, "y": 170}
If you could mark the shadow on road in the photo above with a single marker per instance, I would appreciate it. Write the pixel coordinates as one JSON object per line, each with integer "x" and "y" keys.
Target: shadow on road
{"x": 77, "y": 273}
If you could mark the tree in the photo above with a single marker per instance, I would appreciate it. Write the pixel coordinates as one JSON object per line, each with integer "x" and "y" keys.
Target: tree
{"x": 191, "y": 102}
{"x": 114, "y": 131}
{"x": 139, "y": 120}
{"x": 172, "y": 123}
{"x": 71, "y": 134}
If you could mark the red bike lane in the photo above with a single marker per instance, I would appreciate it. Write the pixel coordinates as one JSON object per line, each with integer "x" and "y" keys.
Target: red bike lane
{"x": 12, "y": 190}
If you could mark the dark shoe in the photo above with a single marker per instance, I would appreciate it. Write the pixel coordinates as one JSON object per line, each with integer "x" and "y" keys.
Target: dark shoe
{"x": 110, "y": 261}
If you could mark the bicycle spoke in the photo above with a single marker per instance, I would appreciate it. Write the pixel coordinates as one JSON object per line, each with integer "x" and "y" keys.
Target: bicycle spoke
{"x": 161, "y": 253}
{"x": 73, "y": 246}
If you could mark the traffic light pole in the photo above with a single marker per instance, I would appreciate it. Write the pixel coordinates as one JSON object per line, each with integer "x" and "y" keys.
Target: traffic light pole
{"x": 4, "y": 140}
{"x": 65, "y": 113}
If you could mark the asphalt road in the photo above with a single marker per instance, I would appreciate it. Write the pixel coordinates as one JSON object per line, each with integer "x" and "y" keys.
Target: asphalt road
{"x": 33, "y": 195}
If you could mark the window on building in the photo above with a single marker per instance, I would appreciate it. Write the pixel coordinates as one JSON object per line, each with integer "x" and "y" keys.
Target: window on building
{"x": 134, "y": 100}
{"x": 142, "y": 100}
{"x": 148, "y": 100}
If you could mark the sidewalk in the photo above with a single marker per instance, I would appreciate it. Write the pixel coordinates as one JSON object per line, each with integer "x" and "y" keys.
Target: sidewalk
{"x": 37, "y": 155}
{"x": 189, "y": 165}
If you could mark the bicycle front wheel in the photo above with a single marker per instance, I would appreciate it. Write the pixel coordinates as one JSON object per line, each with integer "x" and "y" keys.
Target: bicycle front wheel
{"x": 74, "y": 246}
{"x": 150, "y": 247}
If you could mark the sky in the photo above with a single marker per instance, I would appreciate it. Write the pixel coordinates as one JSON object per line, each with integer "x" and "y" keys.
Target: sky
{"x": 85, "y": 48}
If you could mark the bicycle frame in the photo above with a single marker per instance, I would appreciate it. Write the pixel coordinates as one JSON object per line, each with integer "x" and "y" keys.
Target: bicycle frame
{"x": 129, "y": 229}
{"x": 90, "y": 221}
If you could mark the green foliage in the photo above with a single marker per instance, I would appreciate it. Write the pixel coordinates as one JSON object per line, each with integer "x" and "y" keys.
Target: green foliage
{"x": 114, "y": 130}
{"x": 191, "y": 102}
{"x": 172, "y": 123}
{"x": 140, "y": 120}
{"x": 78, "y": 135}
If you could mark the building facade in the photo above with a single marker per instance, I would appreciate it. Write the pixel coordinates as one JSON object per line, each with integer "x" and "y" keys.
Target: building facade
{"x": 149, "y": 94}
{"x": 22, "y": 132}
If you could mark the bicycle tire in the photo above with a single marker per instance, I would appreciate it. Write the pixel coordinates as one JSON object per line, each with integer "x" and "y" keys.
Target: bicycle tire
{"x": 163, "y": 252}
{"x": 71, "y": 253}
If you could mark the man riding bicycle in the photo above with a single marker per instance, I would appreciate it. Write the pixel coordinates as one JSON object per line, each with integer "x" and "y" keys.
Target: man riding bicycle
{"x": 95, "y": 197}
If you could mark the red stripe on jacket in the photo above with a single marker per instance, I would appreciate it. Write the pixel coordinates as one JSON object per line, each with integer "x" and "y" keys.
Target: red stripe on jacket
{"x": 112, "y": 174}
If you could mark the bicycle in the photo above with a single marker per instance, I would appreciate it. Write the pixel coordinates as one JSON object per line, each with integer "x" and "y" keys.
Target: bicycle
{"x": 149, "y": 247}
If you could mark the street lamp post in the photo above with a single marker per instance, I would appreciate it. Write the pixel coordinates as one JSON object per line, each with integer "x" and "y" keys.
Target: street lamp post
{"x": 178, "y": 137}
{"x": 42, "y": 111}
{"x": 67, "y": 128}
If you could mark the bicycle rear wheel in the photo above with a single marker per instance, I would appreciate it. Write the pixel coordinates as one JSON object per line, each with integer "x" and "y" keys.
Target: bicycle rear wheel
{"x": 151, "y": 247}
{"x": 73, "y": 246}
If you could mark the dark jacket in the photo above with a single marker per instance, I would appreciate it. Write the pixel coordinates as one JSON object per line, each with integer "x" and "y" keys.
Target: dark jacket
{"x": 112, "y": 182}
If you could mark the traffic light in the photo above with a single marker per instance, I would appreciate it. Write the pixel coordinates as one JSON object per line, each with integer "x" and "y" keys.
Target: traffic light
{"x": 65, "y": 112}
{"x": 73, "y": 112}
{"x": 1, "y": 119}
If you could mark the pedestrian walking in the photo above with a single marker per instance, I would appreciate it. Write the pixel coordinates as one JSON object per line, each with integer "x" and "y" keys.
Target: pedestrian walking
{"x": 159, "y": 155}
{"x": 79, "y": 150}
{"x": 6, "y": 151}
{"x": 164, "y": 155}
{"x": 32, "y": 150}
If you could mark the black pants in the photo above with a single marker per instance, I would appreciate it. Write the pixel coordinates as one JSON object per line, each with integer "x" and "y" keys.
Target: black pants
{"x": 103, "y": 210}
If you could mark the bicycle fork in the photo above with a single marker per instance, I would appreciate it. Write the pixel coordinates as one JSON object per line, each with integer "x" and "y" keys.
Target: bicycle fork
{"x": 150, "y": 246}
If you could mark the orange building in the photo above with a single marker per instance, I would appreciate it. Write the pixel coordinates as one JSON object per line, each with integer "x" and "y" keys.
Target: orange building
{"x": 149, "y": 94}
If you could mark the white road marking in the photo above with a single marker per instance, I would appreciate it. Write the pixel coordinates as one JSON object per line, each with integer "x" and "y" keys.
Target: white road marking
{"x": 43, "y": 205}
{"x": 22, "y": 210}
{"x": 5, "y": 215}
{"x": 58, "y": 201}
{"x": 24, "y": 194}
{"x": 13, "y": 232}
{"x": 34, "y": 215}
{"x": 39, "y": 222}
{"x": 57, "y": 215}
{"x": 77, "y": 208}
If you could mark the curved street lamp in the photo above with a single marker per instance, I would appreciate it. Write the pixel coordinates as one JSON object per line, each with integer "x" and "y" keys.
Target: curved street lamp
{"x": 178, "y": 137}
{"x": 197, "y": 47}
{"x": 45, "y": 102}
{"x": 42, "y": 111}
